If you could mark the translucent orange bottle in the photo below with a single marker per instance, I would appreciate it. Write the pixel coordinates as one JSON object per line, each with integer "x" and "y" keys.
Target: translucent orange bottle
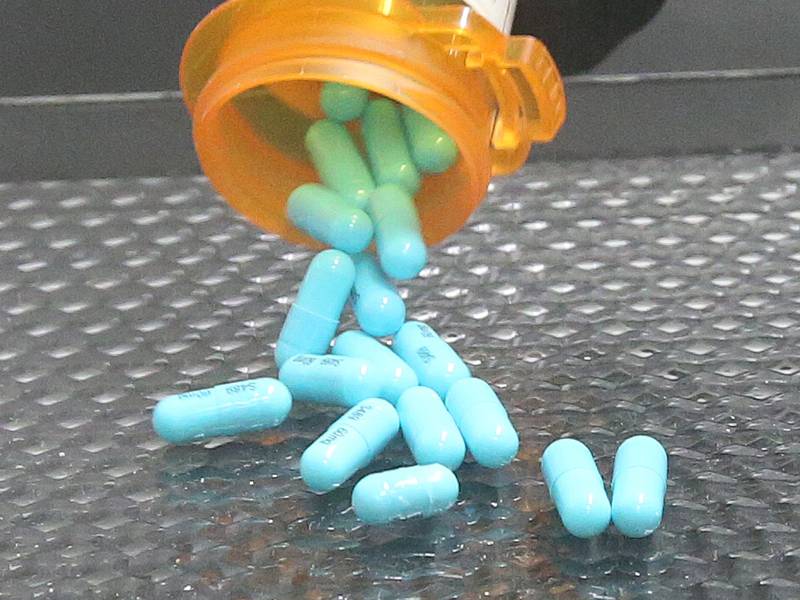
{"x": 252, "y": 71}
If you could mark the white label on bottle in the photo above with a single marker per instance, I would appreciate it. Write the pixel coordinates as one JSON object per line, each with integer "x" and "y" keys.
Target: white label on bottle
{"x": 499, "y": 13}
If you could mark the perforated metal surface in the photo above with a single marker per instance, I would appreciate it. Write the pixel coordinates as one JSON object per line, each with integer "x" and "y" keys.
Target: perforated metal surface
{"x": 602, "y": 299}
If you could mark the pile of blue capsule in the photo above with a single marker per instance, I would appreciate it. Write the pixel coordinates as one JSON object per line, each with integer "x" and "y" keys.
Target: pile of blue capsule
{"x": 419, "y": 385}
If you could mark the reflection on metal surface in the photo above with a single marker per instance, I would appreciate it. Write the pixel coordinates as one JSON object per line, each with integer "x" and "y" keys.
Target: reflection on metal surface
{"x": 602, "y": 299}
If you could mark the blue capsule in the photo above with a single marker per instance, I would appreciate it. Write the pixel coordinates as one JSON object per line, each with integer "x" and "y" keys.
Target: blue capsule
{"x": 576, "y": 488}
{"x": 314, "y": 317}
{"x": 484, "y": 423}
{"x": 342, "y": 102}
{"x": 401, "y": 249}
{"x": 638, "y": 486}
{"x": 422, "y": 490}
{"x": 436, "y": 364}
{"x": 339, "y": 163}
{"x": 228, "y": 409}
{"x": 429, "y": 430}
{"x": 432, "y": 149}
{"x": 387, "y": 149}
{"x": 325, "y": 216}
{"x": 378, "y": 307}
{"x": 350, "y": 444}
{"x": 396, "y": 375}
{"x": 326, "y": 379}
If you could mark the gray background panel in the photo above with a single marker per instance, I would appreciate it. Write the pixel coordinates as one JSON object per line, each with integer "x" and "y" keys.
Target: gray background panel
{"x": 711, "y": 35}
{"x": 98, "y": 46}
{"x": 722, "y": 75}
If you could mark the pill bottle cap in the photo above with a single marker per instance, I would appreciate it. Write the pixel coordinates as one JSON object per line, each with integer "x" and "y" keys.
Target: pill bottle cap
{"x": 252, "y": 72}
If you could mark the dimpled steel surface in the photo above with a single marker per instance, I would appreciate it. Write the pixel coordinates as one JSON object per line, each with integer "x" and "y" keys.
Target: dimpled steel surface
{"x": 602, "y": 299}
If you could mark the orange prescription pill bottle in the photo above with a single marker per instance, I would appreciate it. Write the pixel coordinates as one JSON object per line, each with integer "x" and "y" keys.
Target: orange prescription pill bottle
{"x": 252, "y": 72}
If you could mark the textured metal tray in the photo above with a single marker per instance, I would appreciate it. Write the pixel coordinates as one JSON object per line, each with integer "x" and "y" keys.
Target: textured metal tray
{"x": 602, "y": 299}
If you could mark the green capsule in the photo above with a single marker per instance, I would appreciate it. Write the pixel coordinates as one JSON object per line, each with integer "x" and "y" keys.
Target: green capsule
{"x": 432, "y": 149}
{"x": 325, "y": 216}
{"x": 398, "y": 238}
{"x": 338, "y": 162}
{"x": 387, "y": 149}
{"x": 342, "y": 102}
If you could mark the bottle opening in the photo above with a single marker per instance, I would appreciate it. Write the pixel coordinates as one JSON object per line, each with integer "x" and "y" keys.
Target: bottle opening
{"x": 251, "y": 144}
{"x": 252, "y": 72}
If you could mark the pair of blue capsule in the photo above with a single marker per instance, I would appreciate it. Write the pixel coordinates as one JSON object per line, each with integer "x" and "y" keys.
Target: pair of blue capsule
{"x": 332, "y": 278}
{"x": 355, "y": 440}
{"x": 639, "y": 485}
